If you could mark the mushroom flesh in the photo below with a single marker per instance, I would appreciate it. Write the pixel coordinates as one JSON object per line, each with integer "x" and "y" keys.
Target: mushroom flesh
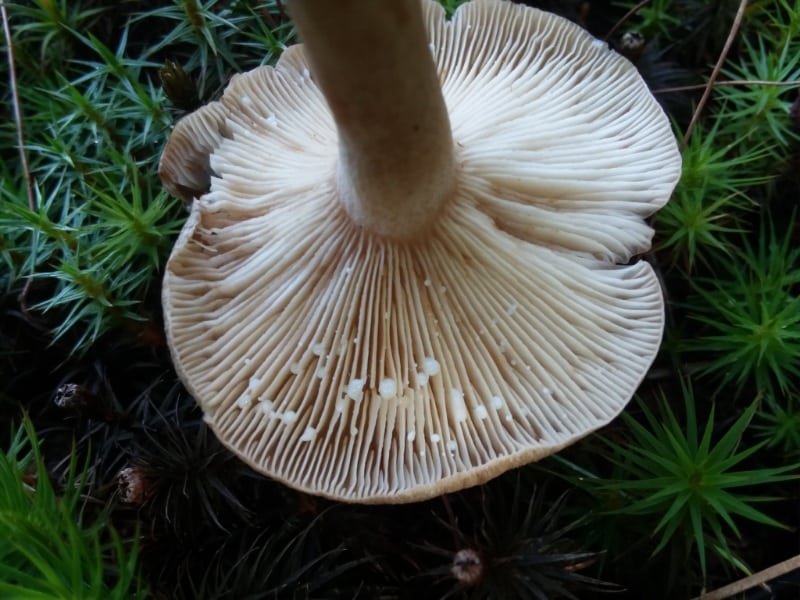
{"x": 409, "y": 263}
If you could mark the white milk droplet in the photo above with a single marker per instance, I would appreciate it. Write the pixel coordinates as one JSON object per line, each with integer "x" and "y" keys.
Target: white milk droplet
{"x": 387, "y": 388}
{"x": 354, "y": 389}
{"x": 457, "y": 404}
{"x": 431, "y": 366}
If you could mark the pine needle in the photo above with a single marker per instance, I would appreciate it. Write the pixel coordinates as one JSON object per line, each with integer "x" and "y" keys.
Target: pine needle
{"x": 751, "y": 581}
{"x": 737, "y": 22}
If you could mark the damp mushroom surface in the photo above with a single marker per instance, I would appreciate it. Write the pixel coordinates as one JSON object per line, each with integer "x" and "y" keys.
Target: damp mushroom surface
{"x": 410, "y": 262}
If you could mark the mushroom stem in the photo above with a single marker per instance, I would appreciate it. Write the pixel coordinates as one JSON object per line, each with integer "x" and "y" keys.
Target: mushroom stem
{"x": 374, "y": 66}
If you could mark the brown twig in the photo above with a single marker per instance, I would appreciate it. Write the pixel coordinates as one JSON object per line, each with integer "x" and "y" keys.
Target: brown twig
{"x": 734, "y": 82}
{"x": 625, "y": 18}
{"x": 12, "y": 82}
{"x": 751, "y": 581}
{"x": 23, "y": 156}
{"x": 737, "y": 22}
{"x": 282, "y": 11}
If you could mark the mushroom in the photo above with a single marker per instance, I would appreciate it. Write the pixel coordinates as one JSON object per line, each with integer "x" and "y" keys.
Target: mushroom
{"x": 408, "y": 266}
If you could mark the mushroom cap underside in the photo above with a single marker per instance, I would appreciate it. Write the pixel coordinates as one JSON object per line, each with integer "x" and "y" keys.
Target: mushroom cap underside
{"x": 376, "y": 371}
